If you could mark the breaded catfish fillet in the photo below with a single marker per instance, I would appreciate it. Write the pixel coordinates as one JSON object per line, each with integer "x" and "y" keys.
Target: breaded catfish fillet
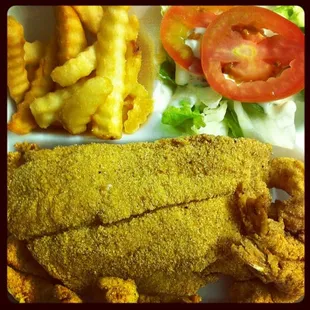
{"x": 70, "y": 187}
{"x": 163, "y": 251}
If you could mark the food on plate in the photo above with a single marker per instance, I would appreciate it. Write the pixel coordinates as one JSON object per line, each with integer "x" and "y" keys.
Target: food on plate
{"x": 137, "y": 107}
{"x": 45, "y": 109}
{"x": 162, "y": 165}
{"x": 70, "y": 33}
{"x": 26, "y": 288}
{"x": 197, "y": 207}
{"x": 76, "y": 68}
{"x": 90, "y": 16}
{"x": 177, "y": 28}
{"x": 238, "y": 73}
{"x": 268, "y": 67}
{"x": 19, "y": 258}
{"x": 254, "y": 291}
{"x": 122, "y": 103}
{"x": 72, "y": 106}
{"x": 34, "y": 51}
{"x": 288, "y": 175}
{"x": 111, "y": 51}
{"x": 169, "y": 299}
{"x": 275, "y": 258}
{"x": 22, "y": 121}
{"x": 77, "y": 110}
{"x": 17, "y": 79}
{"x": 117, "y": 290}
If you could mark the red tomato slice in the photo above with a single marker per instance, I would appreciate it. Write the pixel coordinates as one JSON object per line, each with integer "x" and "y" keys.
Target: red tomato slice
{"x": 259, "y": 68}
{"x": 175, "y": 28}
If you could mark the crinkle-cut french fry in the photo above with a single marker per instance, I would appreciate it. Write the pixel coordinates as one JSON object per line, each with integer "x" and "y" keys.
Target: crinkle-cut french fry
{"x": 77, "y": 110}
{"x": 142, "y": 106}
{"x": 76, "y": 68}
{"x": 133, "y": 66}
{"x": 70, "y": 33}
{"x": 111, "y": 51}
{"x": 45, "y": 109}
{"x": 90, "y": 16}
{"x": 133, "y": 28}
{"x": 34, "y": 52}
{"x": 22, "y": 121}
{"x": 16, "y": 67}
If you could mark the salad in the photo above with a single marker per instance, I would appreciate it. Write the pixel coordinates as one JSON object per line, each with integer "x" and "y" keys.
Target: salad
{"x": 236, "y": 71}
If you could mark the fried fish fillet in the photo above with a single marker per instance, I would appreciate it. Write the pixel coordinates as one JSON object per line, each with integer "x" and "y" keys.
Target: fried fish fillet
{"x": 71, "y": 187}
{"x": 163, "y": 251}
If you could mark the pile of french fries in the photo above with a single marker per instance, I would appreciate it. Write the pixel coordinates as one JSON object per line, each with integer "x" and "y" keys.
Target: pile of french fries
{"x": 82, "y": 85}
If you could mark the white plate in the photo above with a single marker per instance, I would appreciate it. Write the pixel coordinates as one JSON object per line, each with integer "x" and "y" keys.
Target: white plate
{"x": 38, "y": 22}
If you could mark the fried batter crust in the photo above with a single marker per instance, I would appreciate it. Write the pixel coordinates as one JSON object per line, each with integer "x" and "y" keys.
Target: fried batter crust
{"x": 163, "y": 251}
{"x": 86, "y": 184}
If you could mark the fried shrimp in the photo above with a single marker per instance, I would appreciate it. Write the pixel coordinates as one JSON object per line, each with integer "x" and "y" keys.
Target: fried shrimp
{"x": 288, "y": 174}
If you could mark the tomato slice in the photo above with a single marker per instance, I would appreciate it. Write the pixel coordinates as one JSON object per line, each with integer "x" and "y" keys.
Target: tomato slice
{"x": 242, "y": 63}
{"x": 176, "y": 26}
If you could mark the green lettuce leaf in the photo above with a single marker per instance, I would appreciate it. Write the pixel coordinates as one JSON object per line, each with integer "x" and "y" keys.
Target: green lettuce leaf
{"x": 231, "y": 121}
{"x": 183, "y": 117}
{"x": 253, "y": 109}
{"x": 167, "y": 73}
{"x": 294, "y": 13}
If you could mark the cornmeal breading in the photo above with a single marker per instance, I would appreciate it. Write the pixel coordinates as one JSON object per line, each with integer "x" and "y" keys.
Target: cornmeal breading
{"x": 163, "y": 251}
{"x": 102, "y": 183}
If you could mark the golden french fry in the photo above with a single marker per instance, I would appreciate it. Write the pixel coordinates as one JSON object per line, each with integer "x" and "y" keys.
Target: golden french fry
{"x": 70, "y": 33}
{"x": 45, "y": 109}
{"x": 111, "y": 51}
{"x": 90, "y": 16}
{"x": 16, "y": 67}
{"x": 133, "y": 66}
{"x": 22, "y": 121}
{"x": 133, "y": 28}
{"x": 142, "y": 106}
{"x": 77, "y": 110}
{"x": 34, "y": 52}
{"x": 76, "y": 68}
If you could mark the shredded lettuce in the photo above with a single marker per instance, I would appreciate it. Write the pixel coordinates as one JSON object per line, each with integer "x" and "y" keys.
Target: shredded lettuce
{"x": 196, "y": 108}
{"x": 214, "y": 121}
{"x": 276, "y": 125}
{"x": 294, "y": 13}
